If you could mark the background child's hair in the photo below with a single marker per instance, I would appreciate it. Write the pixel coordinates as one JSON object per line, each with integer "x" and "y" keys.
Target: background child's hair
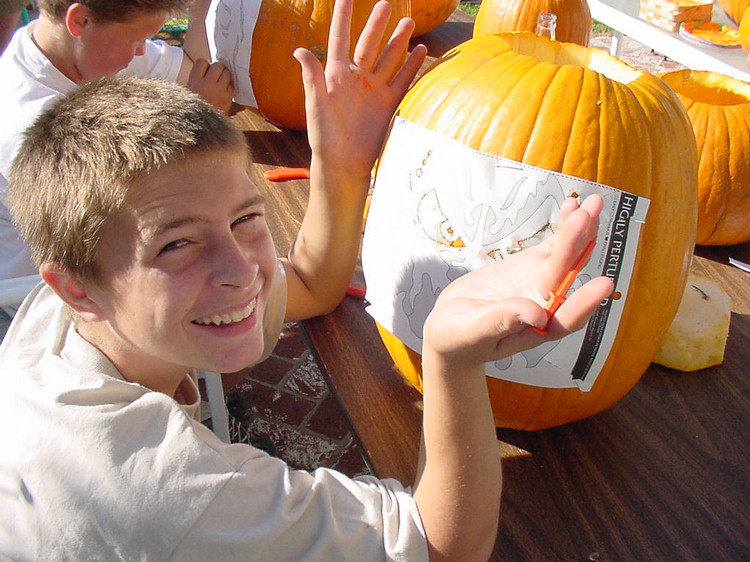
{"x": 79, "y": 160}
{"x": 114, "y": 10}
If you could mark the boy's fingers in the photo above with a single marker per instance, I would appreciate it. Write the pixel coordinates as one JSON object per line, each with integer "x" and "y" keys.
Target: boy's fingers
{"x": 392, "y": 56}
{"x": 339, "y": 37}
{"x": 368, "y": 45}
{"x": 578, "y": 308}
{"x": 313, "y": 78}
{"x": 571, "y": 239}
{"x": 409, "y": 70}
{"x": 199, "y": 69}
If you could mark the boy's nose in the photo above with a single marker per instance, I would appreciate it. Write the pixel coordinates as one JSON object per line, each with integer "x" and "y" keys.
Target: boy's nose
{"x": 233, "y": 264}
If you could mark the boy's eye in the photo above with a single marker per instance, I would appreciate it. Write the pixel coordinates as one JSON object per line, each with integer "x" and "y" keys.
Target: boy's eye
{"x": 173, "y": 246}
{"x": 246, "y": 218}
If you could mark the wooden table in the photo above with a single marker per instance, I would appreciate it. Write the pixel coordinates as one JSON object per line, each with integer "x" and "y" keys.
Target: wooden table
{"x": 662, "y": 475}
{"x": 622, "y": 16}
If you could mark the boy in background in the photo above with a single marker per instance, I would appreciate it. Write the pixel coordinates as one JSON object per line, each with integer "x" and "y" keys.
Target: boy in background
{"x": 10, "y": 14}
{"x": 74, "y": 42}
{"x": 157, "y": 260}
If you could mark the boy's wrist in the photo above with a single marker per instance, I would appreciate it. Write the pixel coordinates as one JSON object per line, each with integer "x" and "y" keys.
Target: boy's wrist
{"x": 340, "y": 179}
{"x": 450, "y": 367}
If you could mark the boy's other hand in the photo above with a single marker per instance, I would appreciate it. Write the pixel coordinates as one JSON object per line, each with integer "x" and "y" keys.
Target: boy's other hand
{"x": 487, "y": 314}
{"x": 349, "y": 105}
{"x": 213, "y": 82}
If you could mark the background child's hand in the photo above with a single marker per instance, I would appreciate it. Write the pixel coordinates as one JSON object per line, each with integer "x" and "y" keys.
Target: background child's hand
{"x": 487, "y": 314}
{"x": 350, "y": 104}
{"x": 213, "y": 82}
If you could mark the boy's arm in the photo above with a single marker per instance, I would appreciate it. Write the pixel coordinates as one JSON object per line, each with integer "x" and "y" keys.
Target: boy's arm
{"x": 484, "y": 316}
{"x": 212, "y": 81}
{"x": 195, "y": 45}
{"x": 349, "y": 107}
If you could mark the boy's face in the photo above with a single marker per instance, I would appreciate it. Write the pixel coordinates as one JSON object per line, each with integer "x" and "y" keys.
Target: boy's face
{"x": 107, "y": 48}
{"x": 185, "y": 270}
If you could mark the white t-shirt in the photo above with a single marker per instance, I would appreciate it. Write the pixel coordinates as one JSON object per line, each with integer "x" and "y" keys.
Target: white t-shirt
{"x": 97, "y": 468}
{"x": 29, "y": 84}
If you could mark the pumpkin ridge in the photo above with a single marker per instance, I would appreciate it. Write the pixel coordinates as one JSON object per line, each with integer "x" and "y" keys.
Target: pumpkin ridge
{"x": 585, "y": 119}
{"x": 542, "y": 131}
{"x": 528, "y": 92}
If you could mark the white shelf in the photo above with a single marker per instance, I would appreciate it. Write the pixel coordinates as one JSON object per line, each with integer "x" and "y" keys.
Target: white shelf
{"x": 622, "y": 16}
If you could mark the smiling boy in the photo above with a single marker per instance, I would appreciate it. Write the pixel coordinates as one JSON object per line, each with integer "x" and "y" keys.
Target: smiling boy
{"x": 157, "y": 260}
{"x": 74, "y": 42}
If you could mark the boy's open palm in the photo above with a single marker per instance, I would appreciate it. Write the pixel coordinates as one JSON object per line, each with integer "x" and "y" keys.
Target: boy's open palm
{"x": 350, "y": 104}
{"x": 488, "y": 313}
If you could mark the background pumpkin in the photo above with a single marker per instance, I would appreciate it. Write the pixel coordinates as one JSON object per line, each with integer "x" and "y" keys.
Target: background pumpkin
{"x": 282, "y": 26}
{"x": 719, "y": 109}
{"x": 734, "y": 8}
{"x": 744, "y": 30}
{"x": 581, "y": 112}
{"x": 573, "y": 18}
{"x": 428, "y": 14}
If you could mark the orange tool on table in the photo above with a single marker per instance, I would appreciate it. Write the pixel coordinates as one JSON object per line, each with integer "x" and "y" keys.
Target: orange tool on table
{"x": 557, "y": 296}
{"x": 284, "y": 174}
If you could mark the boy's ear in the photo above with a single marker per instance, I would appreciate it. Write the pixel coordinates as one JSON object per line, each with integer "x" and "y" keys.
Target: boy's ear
{"x": 71, "y": 290}
{"x": 77, "y": 18}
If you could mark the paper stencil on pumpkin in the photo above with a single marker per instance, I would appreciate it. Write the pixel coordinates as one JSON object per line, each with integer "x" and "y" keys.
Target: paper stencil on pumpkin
{"x": 440, "y": 209}
{"x": 229, "y": 26}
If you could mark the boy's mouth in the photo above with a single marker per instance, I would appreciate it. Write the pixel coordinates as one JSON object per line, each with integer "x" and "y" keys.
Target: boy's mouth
{"x": 228, "y": 318}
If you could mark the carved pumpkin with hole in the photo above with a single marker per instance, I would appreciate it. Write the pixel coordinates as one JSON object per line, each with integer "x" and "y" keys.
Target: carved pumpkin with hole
{"x": 573, "y": 18}
{"x": 281, "y": 28}
{"x": 719, "y": 109}
{"x": 580, "y": 112}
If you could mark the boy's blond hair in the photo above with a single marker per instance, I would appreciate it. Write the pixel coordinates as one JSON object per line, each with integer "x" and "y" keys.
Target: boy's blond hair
{"x": 114, "y": 10}
{"x": 81, "y": 158}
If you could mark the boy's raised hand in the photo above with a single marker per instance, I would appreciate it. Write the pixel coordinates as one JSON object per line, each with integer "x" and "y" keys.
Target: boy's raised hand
{"x": 487, "y": 314}
{"x": 213, "y": 82}
{"x": 350, "y": 104}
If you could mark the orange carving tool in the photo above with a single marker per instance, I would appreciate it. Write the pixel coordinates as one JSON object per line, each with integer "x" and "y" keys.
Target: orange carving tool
{"x": 557, "y": 296}
{"x": 284, "y": 174}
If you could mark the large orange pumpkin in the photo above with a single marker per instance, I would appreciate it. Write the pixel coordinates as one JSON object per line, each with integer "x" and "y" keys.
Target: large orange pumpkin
{"x": 428, "y": 14}
{"x": 573, "y": 18}
{"x": 734, "y": 8}
{"x": 282, "y": 26}
{"x": 719, "y": 109}
{"x": 581, "y": 112}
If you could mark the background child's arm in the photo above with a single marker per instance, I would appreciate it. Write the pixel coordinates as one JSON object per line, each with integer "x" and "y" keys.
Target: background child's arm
{"x": 349, "y": 108}
{"x": 484, "y": 316}
{"x": 212, "y": 81}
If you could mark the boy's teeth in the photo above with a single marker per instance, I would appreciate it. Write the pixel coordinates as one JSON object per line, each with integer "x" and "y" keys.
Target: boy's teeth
{"x": 236, "y": 316}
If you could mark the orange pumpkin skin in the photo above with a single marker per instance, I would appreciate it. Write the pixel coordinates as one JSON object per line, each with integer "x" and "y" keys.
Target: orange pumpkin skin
{"x": 719, "y": 109}
{"x": 573, "y": 18}
{"x": 734, "y": 8}
{"x": 282, "y": 26}
{"x": 428, "y": 14}
{"x": 550, "y": 109}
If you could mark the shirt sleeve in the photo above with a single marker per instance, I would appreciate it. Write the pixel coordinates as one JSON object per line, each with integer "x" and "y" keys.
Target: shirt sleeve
{"x": 267, "y": 511}
{"x": 159, "y": 61}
